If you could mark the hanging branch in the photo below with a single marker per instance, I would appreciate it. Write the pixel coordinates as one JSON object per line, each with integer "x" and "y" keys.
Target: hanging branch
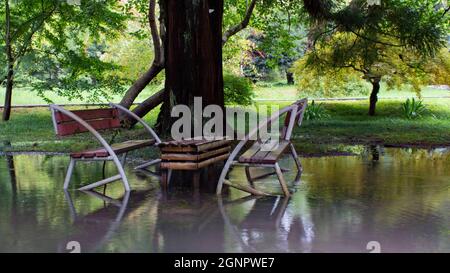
{"x": 243, "y": 24}
{"x": 157, "y": 65}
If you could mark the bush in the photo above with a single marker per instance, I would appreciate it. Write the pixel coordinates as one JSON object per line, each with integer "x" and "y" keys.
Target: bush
{"x": 315, "y": 111}
{"x": 237, "y": 90}
{"x": 413, "y": 109}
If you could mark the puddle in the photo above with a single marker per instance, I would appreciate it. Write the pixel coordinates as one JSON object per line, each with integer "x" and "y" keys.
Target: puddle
{"x": 401, "y": 200}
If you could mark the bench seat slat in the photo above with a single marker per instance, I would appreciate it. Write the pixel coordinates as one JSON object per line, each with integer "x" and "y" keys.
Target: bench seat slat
{"x": 118, "y": 148}
{"x": 256, "y": 155}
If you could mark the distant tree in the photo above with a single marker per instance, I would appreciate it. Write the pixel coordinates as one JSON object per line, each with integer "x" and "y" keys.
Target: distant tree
{"x": 393, "y": 41}
{"x": 56, "y": 30}
{"x": 284, "y": 39}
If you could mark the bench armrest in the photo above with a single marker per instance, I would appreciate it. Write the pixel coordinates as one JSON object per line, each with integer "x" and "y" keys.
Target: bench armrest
{"x": 138, "y": 119}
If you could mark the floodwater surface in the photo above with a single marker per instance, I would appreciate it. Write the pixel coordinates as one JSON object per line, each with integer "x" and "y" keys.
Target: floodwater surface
{"x": 400, "y": 201}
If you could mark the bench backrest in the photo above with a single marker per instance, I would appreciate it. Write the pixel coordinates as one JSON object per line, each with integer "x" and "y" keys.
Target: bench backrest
{"x": 301, "y": 104}
{"x": 99, "y": 119}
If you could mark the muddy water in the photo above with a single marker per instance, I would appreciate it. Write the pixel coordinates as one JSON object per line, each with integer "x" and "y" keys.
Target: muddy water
{"x": 401, "y": 201}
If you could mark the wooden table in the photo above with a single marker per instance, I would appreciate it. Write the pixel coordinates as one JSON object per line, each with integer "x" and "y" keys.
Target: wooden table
{"x": 191, "y": 155}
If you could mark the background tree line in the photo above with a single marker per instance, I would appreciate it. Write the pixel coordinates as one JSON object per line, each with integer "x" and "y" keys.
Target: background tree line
{"x": 101, "y": 48}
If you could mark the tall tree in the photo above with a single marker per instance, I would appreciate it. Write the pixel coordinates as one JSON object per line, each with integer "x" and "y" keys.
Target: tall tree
{"x": 192, "y": 40}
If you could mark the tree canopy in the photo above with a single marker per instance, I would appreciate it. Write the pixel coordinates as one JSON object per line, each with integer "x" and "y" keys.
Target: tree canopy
{"x": 395, "y": 41}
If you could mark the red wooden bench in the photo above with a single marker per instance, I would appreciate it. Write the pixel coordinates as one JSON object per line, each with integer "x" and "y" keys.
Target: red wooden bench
{"x": 67, "y": 123}
{"x": 266, "y": 153}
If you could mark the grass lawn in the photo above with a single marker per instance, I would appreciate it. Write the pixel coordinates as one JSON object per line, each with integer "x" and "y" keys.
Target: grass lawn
{"x": 31, "y": 129}
{"x": 278, "y": 91}
{"x": 263, "y": 91}
{"x": 350, "y": 124}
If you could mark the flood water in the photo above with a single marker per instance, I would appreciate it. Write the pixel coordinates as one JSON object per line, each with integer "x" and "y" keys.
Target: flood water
{"x": 401, "y": 201}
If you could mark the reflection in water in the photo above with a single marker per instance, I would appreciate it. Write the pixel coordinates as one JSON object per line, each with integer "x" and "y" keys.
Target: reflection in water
{"x": 342, "y": 203}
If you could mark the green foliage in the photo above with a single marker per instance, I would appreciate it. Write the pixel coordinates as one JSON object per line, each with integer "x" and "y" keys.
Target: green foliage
{"x": 412, "y": 108}
{"x": 438, "y": 68}
{"x": 132, "y": 56}
{"x": 394, "y": 41}
{"x": 237, "y": 90}
{"x": 57, "y": 45}
{"x": 319, "y": 83}
{"x": 315, "y": 112}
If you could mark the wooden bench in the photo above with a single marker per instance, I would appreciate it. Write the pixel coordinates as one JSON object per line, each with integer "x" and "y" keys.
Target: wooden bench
{"x": 67, "y": 123}
{"x": 266, "y": 153}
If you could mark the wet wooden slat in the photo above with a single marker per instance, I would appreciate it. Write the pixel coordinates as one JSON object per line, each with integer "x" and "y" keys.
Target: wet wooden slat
{"x": 194, "y": 157}
{"x": 192, "y": 165}
{"x": 192, "y": 145}
{"x": 273, "y": 156}
{"x": 256, "y": 155}
{"x": 118, "y": 148}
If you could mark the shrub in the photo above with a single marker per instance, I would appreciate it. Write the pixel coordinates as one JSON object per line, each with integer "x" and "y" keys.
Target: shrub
{"x": 315, "y": 111}
{"x": 413, "y": 109}
{"x": 237, "y": 90}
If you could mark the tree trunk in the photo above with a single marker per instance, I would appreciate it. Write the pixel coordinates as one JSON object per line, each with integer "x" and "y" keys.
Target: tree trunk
{"x": 374, "y": 96}
{"x": 8, "y": 95}
{"x": 193, "y": 55}
{"x": 139, "y": 85}
{"x": 143, "y": 108}
{"x": 10, "y": 59}
{"x": 290, "y": 78}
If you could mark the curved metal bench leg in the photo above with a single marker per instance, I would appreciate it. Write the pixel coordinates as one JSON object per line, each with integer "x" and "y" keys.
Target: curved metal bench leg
{"x": 126, "y": 185}
{"x": 281, "y": 179}
{"x": 249, "y": 175}
{"x": 69, "y": 173}
{"x": 295, "y": 156}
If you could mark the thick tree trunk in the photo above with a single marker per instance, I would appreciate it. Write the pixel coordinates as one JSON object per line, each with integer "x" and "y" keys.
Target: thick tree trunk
{"x": 193, "y": 55}
{"x": 374, "y": 96}
{"x": 290, "y": 78}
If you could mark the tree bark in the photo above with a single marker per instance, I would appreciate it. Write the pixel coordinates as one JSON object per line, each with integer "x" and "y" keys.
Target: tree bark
{"x": 8, "y": 94}
{"x": 10, "y": 59}
{"x": 193, "y": 55}
{"x": 374, "y": 95}
{"x": 139, "y": 85}
{"x": 143, "y": 109}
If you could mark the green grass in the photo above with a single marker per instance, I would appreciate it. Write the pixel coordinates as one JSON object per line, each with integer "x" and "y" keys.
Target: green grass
{"x": 263, "y": 91}
{"x": 350, "y": 124}
{"x": 279, "y": 91}
{"x": 31, "y": 129}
